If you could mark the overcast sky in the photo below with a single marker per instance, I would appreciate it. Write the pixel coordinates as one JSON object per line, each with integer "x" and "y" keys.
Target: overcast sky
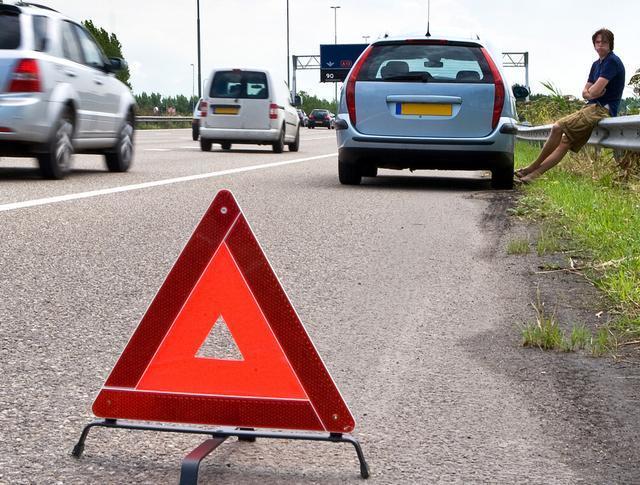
{"x": 159, "y": 36}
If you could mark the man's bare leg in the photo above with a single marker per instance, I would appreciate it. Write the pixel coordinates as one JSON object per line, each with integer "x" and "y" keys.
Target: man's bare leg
{"x": 555, "y": 137}
{"x": 550, "y": 162}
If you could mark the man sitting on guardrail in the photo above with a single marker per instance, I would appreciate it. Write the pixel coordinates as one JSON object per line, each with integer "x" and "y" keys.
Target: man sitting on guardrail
{"x": 603, "y": 93}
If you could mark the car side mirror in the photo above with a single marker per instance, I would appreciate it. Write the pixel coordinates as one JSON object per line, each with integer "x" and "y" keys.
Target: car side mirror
{"x": 520, "y": 92}
{"x": 116, "y": 64}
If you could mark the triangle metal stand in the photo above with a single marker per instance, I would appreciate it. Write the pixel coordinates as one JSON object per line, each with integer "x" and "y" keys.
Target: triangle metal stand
{"x": 191, "y": 463}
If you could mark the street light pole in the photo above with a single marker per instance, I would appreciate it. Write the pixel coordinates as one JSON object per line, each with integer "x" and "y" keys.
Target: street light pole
{"x": 193, "y": 88}
{"x": 199, "y": 61}
{"x": 335, "y": 41}
{"x": 288, "y": 70}
{"x": 335, "y": 23}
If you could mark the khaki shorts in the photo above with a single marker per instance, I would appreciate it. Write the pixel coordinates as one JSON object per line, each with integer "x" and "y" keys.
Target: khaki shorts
{"x": 577, "y": 127}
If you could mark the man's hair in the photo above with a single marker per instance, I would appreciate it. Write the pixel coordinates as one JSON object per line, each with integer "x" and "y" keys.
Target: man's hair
{"x": 606, "y": 35}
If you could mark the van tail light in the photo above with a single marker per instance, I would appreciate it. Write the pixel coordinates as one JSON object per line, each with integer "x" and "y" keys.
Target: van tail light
{"x": 498, "y": 101}
{"x": 25, "y": 77}
{"x": 351, "y": 85}
{"x": 273, "y": 111}
{"x": 203, "y": 107}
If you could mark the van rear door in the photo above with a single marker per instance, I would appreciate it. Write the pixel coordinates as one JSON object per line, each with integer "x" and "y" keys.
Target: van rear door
{"x": 238, "y": 100}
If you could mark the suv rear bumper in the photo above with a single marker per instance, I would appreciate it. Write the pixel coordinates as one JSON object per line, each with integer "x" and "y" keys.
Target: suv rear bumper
{"x": 26, "y": 116}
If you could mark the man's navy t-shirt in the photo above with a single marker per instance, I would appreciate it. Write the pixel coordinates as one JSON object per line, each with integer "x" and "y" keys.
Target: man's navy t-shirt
{"x": 610, "y": 68}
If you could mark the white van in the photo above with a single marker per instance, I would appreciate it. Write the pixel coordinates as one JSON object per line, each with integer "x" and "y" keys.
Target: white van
{"x": 246, "y": 106}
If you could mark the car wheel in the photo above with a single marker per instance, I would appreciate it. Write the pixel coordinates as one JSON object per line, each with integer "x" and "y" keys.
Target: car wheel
{"x": 56, "y": 161}
{"x": 278, "y": 147}
{"x": 195, "y": 132}
{"x": 502, "y": 178}
{"x": 225, "y": 145}
{"x": 295, "y": 146}
{"x": 205, "y": 144}
{"x": 119, "y": 159}
{"x": 349, "y": 173}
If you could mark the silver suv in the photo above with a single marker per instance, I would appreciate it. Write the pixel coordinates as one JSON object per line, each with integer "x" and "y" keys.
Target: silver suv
{"x": 58, "y": 93}
{"x": 426, "y": 103}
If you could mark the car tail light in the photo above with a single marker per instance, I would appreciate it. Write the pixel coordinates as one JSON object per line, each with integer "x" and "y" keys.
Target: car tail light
{"x": 273, "y": 111}
{"x": 25, "y": 77}
{"x": 4, "y": 129}
{"x": 312, "y": 117}
{"x": 498, "y": 101}
{"x": 203, "y": 107}
{"x": 351, "y": 85}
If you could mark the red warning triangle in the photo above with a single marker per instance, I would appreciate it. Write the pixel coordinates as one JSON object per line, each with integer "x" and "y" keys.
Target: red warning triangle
{"x": 277, "y": 381}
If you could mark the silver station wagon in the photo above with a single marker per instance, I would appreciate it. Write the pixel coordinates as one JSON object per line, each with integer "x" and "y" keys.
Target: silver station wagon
{"x": 426, "y": 103}
{"x": 58, "y": 93}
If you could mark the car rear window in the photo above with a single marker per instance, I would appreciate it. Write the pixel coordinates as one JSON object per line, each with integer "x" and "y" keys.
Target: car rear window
{"x": 426, "y": 62}
{"x": 239, "y": 84}
{"x": 9, "y": 30}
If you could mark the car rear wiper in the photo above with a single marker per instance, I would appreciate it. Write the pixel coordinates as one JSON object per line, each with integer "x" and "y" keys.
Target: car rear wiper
{"x": 424, "y": 77}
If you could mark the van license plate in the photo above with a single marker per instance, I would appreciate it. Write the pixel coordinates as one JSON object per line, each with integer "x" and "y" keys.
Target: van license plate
{"x": 424, "y": 109}
{"x": 226, "y": 110}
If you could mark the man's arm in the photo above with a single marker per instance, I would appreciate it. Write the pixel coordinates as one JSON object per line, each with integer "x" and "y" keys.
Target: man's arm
{"x": 585, "y": 91}
{"x": 596, "y": 90}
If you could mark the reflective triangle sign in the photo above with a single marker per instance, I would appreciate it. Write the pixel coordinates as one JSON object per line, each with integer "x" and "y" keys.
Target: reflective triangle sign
{"x": 257, "y": 369}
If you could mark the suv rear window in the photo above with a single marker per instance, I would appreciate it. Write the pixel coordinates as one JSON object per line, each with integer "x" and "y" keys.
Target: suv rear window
{"x": 426, "y": 62}
{"x": 9, "y": 30}
{"x": 239, "y": 84}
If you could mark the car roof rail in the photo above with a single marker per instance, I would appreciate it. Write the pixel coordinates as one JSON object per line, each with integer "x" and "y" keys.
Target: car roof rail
{"x": 36, "y": 5}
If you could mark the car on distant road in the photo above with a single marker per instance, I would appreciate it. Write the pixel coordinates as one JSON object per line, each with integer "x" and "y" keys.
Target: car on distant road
{"x": 304, "y": 119}
{"x": 58, "y": 93}
{"x": 426, "y": 103}
{"x": 195, "y": 122}
{"x": 321, "y": 117}
{"x": 247, "y": 106}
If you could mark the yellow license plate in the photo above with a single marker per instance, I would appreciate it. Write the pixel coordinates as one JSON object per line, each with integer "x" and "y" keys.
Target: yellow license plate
{"x": 424, "y": 109}
{"x": 226, "y": 110}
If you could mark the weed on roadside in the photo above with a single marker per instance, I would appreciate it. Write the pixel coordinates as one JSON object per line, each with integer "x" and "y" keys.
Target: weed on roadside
{"x": 518, "y": 246}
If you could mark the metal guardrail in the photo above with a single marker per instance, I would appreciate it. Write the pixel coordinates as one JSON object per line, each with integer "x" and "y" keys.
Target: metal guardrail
{"x": 163, "y": 119}
{"x": 621, "y": 133}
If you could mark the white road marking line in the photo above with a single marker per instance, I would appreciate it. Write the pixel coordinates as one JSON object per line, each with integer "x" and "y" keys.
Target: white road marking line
{"x": 157, "y": 149}
{"x": 157, "y": 183}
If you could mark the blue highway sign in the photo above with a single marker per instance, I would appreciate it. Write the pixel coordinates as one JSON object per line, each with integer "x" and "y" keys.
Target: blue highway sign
{"x": 336, "y": 60}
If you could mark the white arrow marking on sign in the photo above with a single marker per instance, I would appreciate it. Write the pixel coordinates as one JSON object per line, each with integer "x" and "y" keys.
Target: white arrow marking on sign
{"x": 330, "y": 64}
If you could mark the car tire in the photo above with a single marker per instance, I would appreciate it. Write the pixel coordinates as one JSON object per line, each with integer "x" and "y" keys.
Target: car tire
{"x": 55, "y": 162}
{"x": 295, "y": 146}
{"x": 205, "y": 144}
{"x": 195, "y": 132}
{"x": 502, "y": 178}
{"x": 120, "y": 157}
{"x": 349, "y": 173}
{"x": 368, "y": 170}
{"x": 278, "y": 146}
{"x": 225, "y": 145}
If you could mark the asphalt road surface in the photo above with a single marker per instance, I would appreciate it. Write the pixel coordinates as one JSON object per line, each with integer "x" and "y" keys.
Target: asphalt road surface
{"x": 402, "y": 283}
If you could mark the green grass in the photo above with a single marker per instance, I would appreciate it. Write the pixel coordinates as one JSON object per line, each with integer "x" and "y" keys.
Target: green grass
{"x": 547, "y": 334}
{"x": 518, "y": 246}
{"x": 583, "y": 201}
